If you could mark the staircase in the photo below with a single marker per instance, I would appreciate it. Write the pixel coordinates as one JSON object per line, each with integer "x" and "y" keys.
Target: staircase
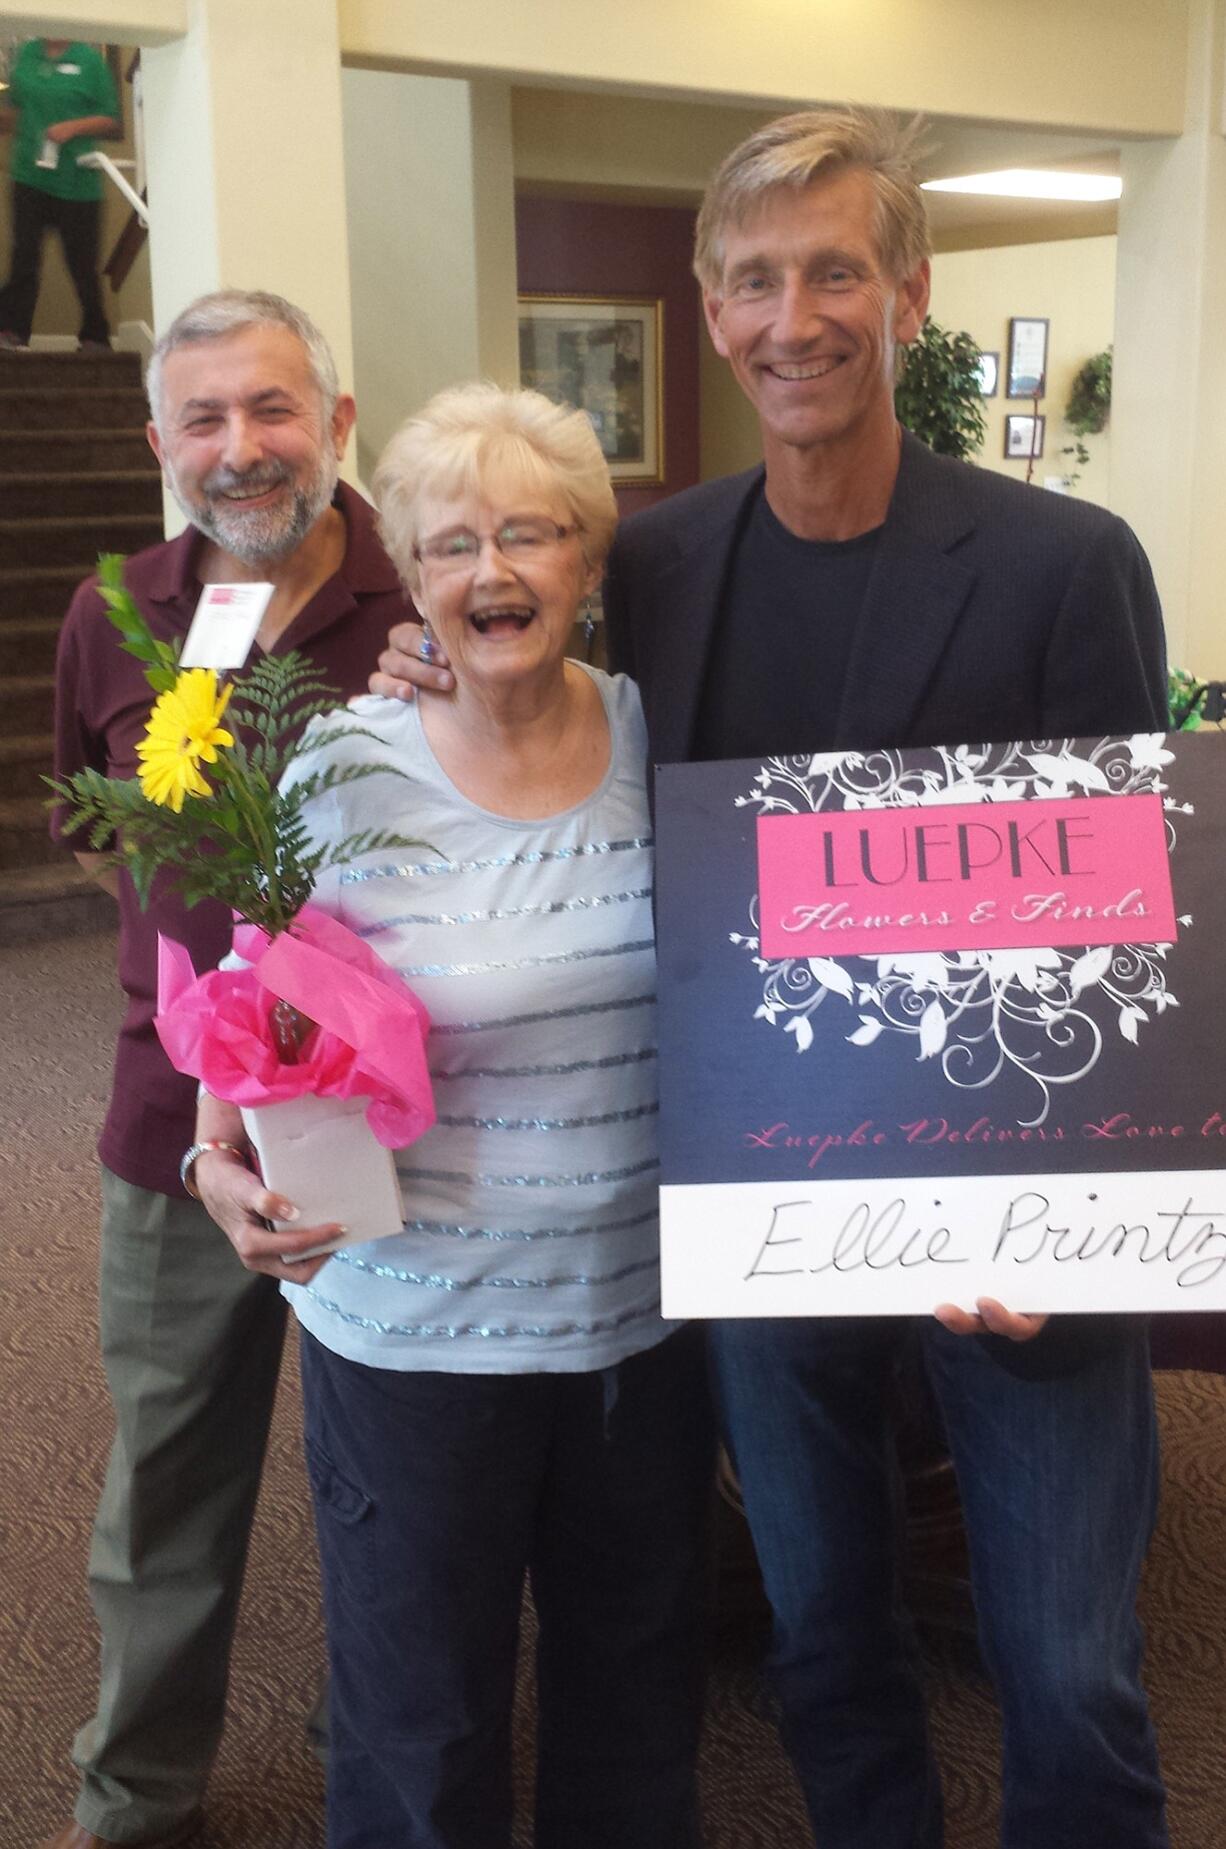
{"x": 76, "y": 478}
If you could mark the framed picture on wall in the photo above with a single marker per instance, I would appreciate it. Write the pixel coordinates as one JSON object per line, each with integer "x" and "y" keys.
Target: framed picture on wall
{"x": 604, "y": 355}
{"x": 1024, "y": 437}
{"x": 989, "y": 374}
{"x": 1027, "y": 375}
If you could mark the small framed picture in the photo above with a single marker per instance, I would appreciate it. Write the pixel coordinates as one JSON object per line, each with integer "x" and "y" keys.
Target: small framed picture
{"x": 1024, "y": 437}
{"x": 1027, "y": 374}
{"x": 606, "y": 357}
{"x": 989, "y": 374}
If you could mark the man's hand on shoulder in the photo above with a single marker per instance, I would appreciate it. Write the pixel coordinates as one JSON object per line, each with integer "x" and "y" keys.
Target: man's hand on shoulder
{"x": 402, "y": 669}
{"x": 992, "y": 1319}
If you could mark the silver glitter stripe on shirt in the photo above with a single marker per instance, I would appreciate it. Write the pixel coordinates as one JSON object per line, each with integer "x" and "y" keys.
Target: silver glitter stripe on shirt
{"x": 456, "y": 1178}
{"x": 487, "y": 1331}
{"x": 430, "y": 869}
{"x": 515, "y": 911}
{"x": 544, "y": 1014}
{"x": 439, "y": 1229}
{"x": 632, "y": 948}
{"x": 433, "y": 1280}
{"x": 547, "y": 1072}
{"x": 549, "y": 1123}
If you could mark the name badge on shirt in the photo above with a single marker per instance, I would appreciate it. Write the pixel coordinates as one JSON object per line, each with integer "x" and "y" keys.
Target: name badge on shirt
{"x": 224, "y": 626}
{"x": 69, "y": 70}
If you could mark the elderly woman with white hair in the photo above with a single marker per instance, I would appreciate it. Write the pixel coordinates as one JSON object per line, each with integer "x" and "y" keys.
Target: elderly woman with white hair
{"x": 493, "y": 1393}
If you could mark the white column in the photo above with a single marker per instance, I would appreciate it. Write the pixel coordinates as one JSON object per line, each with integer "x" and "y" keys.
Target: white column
{"x": 245, "y": 155}
{"x": 432, "y": 234}
{"x": 1168, "y": 414}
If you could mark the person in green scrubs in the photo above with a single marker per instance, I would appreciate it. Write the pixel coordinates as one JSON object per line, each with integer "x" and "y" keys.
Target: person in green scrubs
{"x": 61, "y": 97}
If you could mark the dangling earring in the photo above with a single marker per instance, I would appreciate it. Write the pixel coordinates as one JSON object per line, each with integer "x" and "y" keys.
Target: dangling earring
{"x": 589, "y": 629}
{"x": 426, "y": 651}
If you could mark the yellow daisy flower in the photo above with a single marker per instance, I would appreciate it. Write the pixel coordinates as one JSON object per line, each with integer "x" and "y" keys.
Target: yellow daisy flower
{"x": 183, "y": 731}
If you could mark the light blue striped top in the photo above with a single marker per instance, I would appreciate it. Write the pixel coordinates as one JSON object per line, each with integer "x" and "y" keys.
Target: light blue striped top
{"x": 531, "y": 1231}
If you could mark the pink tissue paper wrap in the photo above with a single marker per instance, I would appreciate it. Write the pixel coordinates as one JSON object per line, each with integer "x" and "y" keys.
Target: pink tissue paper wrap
{"x": 370, "y": 1040}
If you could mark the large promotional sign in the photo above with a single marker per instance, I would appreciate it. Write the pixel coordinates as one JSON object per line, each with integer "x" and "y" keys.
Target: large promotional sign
{"x": 944, "y": 1023}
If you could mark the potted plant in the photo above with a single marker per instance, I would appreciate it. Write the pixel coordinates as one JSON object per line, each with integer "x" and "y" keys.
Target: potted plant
{"x": 938, "y": 395}
{"x": 320, "y": 1044}
{"x": 1088, "y": 407}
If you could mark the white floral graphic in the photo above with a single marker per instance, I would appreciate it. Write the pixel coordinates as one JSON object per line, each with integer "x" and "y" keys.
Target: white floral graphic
{"x": 1041, "y": 1012}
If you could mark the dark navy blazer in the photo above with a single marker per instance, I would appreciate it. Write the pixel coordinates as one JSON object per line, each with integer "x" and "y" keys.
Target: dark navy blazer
{"x": 994, "y": 611}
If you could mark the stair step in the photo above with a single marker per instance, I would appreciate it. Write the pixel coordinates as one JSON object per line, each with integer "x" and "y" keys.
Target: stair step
{"x": 76, "y": 480}
{"x": 76, "y": 541}
{"x": 92, "y": 408}
{"x": 52, "y": 901}
{"x": 26, "y": 701}
{"x": 36, "y": 448}
{"x": 25, "y": 759}
{"x": 40, "y": 590}
{"x": 38, "y": 371}
{"x": 27, "y": 646}
{"x": 106, "y": 491}
{"x": 24, "y": 840}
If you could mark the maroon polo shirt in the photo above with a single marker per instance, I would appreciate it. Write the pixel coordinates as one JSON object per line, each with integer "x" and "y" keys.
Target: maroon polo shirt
{"x": 102, "y": 704}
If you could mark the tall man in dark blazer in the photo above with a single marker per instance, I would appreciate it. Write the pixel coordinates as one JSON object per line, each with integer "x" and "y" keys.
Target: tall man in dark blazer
{"x": 858, "y": 591}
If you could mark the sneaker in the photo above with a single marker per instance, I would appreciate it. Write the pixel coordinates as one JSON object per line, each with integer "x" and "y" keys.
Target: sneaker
{"x": 93, "y": 346}
{"x": 12, "y": 343}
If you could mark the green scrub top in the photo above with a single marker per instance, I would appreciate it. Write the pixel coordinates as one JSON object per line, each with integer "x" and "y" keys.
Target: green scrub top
{"x": 48, "y": 90}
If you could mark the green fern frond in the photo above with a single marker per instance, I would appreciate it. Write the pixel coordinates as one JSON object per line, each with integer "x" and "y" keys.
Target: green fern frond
{"x": 246, "y": 843}
{"x": 161, "y": 658}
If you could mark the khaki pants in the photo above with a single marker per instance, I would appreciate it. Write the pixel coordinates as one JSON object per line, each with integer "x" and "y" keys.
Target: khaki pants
{"x": 191, "y": 1343}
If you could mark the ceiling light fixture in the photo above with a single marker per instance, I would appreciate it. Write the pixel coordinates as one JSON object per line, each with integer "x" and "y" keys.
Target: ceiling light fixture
{"x": 1033, "y": 183}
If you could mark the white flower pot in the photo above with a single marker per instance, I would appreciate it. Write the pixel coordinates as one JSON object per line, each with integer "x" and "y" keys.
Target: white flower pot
{"x": 320, "y": 1154}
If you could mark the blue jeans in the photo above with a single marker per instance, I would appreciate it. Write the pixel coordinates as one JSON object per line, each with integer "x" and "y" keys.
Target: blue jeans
{"x": 1058, "y": 1478}
{"x": 434, "y": 1493}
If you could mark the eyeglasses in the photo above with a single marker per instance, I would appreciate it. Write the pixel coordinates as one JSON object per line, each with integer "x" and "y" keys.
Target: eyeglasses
{"x": 517, "y": 540}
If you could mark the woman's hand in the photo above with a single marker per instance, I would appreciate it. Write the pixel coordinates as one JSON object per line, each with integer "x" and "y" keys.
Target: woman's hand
{"x": 241, "y": 1205}
{"x": 993, "y": 1319}
{"x": 402, "y": 669}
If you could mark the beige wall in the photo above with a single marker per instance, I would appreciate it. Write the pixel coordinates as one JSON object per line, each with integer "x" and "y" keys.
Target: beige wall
{"x": 431, "y": 216}
{"x": 1072, "y": 283}
{"x": 571, "y": 140}
{"x": 729, "y": 439}
{"x": 1114, "y": 64}
{"x": 119, "y": 22}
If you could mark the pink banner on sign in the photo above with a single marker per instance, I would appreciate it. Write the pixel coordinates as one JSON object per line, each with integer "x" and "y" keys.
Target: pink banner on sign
{"x": 975, "y": 876}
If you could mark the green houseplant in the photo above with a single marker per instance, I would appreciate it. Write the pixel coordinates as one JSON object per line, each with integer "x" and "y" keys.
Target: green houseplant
{"x": 937, "y": 395}
{"x": 1089, "y": 399}
{"x": 1185, "y": 700}
{"x": 1089, "y": 406}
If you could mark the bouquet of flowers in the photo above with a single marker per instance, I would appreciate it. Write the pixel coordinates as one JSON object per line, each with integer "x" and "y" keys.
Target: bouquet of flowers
{"x": 311, "y": 1033}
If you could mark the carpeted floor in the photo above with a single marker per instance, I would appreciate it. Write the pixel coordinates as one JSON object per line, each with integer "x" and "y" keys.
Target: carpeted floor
{"x": 59, "y": 1008}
